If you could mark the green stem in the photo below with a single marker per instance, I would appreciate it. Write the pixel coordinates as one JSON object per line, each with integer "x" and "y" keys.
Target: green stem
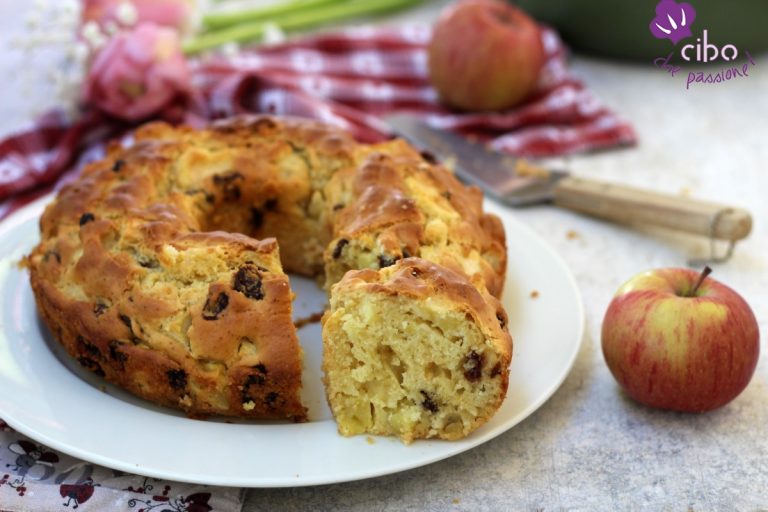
{"x": 238, "y": 34}
{"x": 219, "y": 20}
{"x": 295, "y": 21}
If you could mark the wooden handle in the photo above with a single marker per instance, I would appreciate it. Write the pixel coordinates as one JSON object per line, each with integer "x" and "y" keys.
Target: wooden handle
{"x": 637, "y": 206}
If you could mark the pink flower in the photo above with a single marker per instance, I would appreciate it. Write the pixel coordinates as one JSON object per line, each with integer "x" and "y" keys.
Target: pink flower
{"x": 127, "y": 13}
{"x": 137, "y": 73}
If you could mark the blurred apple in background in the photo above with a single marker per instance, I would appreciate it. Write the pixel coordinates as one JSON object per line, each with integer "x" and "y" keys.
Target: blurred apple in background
{"x": 676, "y": 339}
{"x": 484, "y": 55}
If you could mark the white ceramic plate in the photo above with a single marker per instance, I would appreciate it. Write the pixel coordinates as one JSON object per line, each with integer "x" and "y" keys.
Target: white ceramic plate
{"x": 48, "y": 397}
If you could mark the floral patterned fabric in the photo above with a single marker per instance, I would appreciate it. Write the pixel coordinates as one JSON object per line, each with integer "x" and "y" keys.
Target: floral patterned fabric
{"x": 36, "y": 478}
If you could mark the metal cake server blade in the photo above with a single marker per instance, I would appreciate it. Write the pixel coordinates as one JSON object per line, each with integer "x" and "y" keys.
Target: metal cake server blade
{"x": 498, "y": 174}
{"x": 517, "y": 183}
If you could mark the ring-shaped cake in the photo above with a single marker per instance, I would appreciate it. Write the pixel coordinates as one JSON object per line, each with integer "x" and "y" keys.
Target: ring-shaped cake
{"x": 159, "y": 269}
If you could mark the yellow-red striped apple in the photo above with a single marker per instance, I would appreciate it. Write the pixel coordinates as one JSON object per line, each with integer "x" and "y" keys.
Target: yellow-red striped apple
{"x": 676, "y": 339}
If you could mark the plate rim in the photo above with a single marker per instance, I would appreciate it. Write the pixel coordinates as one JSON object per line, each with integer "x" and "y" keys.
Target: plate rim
{"x": 30, "y": 210}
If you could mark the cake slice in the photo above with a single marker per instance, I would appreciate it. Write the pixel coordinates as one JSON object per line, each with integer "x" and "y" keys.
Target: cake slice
{"x": 415, "y": 351}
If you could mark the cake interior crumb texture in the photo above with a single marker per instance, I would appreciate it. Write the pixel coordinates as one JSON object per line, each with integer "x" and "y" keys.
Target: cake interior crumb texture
{"x": 410, "y": 368}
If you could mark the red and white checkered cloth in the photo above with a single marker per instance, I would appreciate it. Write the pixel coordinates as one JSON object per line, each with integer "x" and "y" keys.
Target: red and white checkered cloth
{"x": 348, "y": 78}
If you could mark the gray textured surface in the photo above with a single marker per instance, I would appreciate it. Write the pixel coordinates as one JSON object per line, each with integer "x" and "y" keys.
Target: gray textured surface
{"x": 589, "y": 448}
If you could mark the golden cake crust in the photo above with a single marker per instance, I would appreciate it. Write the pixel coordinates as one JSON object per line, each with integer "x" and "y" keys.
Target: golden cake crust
{"x": 159, "y": 267}
{"x": 423, "y": 280}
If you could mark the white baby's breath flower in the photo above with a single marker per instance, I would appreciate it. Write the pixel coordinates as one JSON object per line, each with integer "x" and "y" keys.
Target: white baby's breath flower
{"x": 79, "y": 53}
{"x": 91, "y": 29}
{"x": 127, "y": 14}
{"x": 53, "y": 25}
{"x": 92, "y": 34}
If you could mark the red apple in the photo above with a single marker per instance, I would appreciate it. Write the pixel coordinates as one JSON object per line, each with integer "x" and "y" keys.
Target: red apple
{"x": 676, "y": 339}
{"x": 484, "y": 55}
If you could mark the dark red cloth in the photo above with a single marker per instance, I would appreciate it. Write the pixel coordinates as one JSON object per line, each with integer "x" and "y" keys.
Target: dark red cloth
{"x": 348, "y": 78}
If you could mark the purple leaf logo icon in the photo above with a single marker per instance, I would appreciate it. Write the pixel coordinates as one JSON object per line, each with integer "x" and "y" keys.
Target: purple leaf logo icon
{"x": 673, "y": 20}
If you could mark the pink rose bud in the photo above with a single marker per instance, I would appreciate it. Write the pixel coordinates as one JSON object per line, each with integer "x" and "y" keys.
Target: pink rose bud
{"x": 137, "y": 73}
{"x": 127, "y": 13}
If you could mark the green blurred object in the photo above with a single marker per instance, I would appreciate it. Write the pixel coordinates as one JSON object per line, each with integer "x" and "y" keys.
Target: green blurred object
{"x": 250, "y": 25}
{"x": 619, "y": 28}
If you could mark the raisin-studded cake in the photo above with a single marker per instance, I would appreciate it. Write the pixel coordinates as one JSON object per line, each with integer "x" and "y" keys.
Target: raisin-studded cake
{"x": 162, "y": 268}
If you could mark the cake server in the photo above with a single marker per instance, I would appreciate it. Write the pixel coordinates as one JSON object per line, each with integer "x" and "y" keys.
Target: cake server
{"x": 518, "y": 183}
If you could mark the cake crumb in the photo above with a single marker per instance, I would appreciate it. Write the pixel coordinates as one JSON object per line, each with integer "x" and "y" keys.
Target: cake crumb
{"x": 525, "y": 169}
{"x": 311, "y": 319}
{"x": 370, "y": 440}
{"x": 455, "y": 501}
{"x": 685, "y": 192}
{"x": 572, "y": 235}
{"x": 534, "y": 294}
